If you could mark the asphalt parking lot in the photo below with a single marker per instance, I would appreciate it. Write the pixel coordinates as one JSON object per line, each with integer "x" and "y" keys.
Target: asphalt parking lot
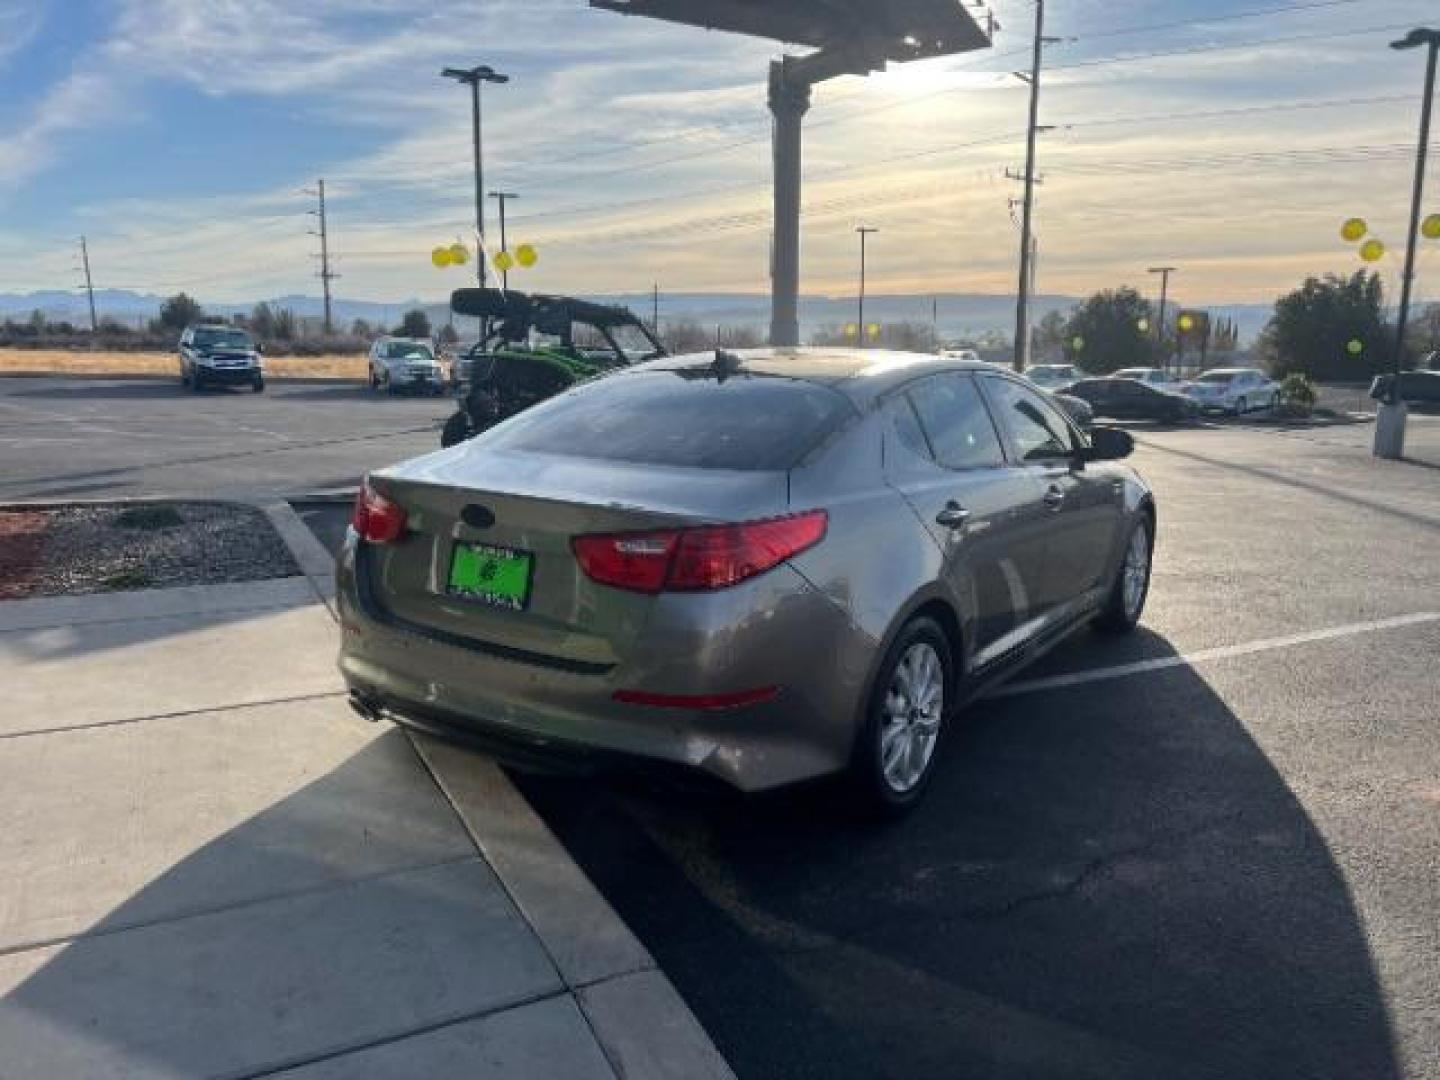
{"x": 100, "y": 438}
{"x": 1209, "y": 849}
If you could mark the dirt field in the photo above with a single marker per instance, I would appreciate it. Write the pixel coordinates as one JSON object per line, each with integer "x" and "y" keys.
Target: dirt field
{"x": 53, "y": 362}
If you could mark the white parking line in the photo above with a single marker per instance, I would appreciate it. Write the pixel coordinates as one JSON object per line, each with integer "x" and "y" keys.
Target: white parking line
{"x": 1224, "y": 652}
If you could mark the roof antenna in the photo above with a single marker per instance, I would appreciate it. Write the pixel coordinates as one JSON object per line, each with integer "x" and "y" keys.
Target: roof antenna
{"x": 726, "y": 364}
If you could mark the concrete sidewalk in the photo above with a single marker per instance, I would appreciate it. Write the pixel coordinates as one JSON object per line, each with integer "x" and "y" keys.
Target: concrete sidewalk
{"x": 212, "y": 868}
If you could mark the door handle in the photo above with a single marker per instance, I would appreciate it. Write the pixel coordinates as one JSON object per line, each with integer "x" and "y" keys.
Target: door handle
{"x": 1055, "y": 497}
{"x": 954, "y": 516}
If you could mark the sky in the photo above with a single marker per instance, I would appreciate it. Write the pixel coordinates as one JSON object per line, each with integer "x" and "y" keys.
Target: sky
{"x": 1228, "y": 138}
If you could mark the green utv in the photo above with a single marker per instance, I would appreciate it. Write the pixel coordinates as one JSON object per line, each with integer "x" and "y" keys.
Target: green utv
{"x": 528, "y": 352}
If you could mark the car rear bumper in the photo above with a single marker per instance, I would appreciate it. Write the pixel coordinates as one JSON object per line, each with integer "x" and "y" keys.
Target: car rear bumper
{"x": 544, "y": 712}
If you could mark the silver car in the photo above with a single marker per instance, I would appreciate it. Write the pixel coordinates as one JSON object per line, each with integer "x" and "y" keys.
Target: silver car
{"x": 405, "y": 364}
{"x": 759, "y": 567}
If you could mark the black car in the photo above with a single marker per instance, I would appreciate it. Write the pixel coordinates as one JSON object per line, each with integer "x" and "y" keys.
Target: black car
{"x": 1130, "y": 399}
{"x": 218, "y": 355}
{"x": 1417, "y": 388}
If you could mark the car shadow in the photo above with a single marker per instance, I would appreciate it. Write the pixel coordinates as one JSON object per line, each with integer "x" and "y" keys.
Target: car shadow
{"x": 1109, "y": 881}
{"x": 111, "y": 388}
{"x": 353, "y": 910}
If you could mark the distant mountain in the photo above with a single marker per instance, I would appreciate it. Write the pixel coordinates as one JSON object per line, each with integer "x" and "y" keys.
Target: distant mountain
{"x": 958, "y": 315}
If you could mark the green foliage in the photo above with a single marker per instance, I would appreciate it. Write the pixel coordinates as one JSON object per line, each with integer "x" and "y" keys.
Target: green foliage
{"x": 1109, "y": 325}
{"x": 1047, "y": 338}
{"x": 448, "y": 335}
{"x": 1313, "y": 326}
{"x": 1297, "y": 394}
{"x": 415, "y": 324}
{"x": 178, "y": 312}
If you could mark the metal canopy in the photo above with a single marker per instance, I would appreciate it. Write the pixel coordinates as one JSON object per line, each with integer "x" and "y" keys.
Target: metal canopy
{"x": 896, "y": 30}
{"x": 849, "y": 37}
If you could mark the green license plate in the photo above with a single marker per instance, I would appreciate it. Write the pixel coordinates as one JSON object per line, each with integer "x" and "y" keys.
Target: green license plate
{"x": 492, "y": 575}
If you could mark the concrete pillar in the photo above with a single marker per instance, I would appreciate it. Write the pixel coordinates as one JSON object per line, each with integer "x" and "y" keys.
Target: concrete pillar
{"x": 789, "y": 101}
{"x": 1390, "y": 430}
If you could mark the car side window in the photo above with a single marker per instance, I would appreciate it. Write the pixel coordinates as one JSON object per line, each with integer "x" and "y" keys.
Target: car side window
{"x": 905, "y": 425}
{"x": 957, "y": 423}
{"x": 1036, "y": 429}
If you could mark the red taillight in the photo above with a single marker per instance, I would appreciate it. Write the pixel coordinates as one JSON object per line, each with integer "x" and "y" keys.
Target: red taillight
{"x": 698, "y": 559}
{"x": 376, "y": 518}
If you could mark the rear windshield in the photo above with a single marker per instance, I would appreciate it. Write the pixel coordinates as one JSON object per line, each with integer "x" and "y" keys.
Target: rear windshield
{"x": 687, "y": 418}
{"x": 224, "y": 339}
{"x": 1217, "y": 376}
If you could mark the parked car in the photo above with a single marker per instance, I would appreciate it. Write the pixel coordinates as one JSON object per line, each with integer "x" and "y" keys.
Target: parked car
{"x": 1078, "y": 409}
{"x": 219, "y": 355}
{"x": 1053, "y": 376}
{"x": 1156, "y": 378}
{"x": 1234, "y": 390}
{"x": 1129, "y": 399}
{"x": 398, "y": 364}
{"x": 1420, "y": 389}
{"x": 761, "y": 567}
{"x": 959, "y": 354}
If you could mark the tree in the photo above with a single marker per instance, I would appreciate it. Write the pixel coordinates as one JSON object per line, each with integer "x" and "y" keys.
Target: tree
{"x": 178, "y": 312}
{"x": 1104, "y": 333}
{"x": 1424, "y": 332}
{"x": 262, "y": 321}
{"x": 415, "y": 324}
{"x": 361, "y": 329}
{"x": 1313, "y": 328}
{"x": 448, "y": 335}
{"x": 1047, "y": 338}
{"x": 284, "y": 325}
{"x": 684, "y": 336}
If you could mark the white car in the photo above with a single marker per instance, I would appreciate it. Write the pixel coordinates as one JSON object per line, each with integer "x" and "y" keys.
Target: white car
{"x": 1234, "y": 390}
{"x": 405, "y": 364}
{"x": 1150, "y": 376}
{"x": 1053, "y": 376}
{"x": 959, "y": 354}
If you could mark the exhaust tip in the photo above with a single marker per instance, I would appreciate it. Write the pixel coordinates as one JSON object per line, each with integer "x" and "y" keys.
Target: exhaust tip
{"x": 366, "y": 708}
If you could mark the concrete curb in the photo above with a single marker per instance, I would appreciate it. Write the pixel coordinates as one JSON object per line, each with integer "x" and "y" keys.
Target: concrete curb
{"x": 644, "y": 1027}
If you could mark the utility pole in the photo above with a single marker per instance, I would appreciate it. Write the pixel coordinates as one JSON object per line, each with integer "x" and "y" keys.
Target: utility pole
{"x": 325, "y": 275}
{"x": 1390, "y": 429}
{"x": 655, "y": 309}
{"x": 473, "y": 77}
{"x": 1022, "y": 305}
{"x": 1164, "y": 272}
{"x": 502, "y": 197}
{"x": 89, "y": 284}
{"x": 864, "y": 231}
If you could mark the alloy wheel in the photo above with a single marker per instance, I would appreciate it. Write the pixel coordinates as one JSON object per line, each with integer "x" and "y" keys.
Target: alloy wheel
{"x": 911, "y": 714}
{"x": 1136, "y": 571}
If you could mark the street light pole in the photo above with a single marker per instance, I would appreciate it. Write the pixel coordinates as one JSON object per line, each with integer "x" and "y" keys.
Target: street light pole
{"x": 502, "y": 197}
{"x": 1022, "y": 303}
{"x": 473, "y": 77}
{"x": 864, "y": 231}
{"x": 1390, "y": 421}
{"x": 1164, "y": 272}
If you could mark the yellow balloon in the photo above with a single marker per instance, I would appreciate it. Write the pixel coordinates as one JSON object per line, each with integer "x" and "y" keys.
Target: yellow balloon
{"x": 526, "y": 255}
{"x": 1372, "y": 251}
{"x": 1143, "y": 325}
{"x": 503, "y": 260}
{"x": 873, "y": 330}
{"x": 459, "y": 254}
{"x": 1431, "y": 227}
{"x": 851, "y": 329}
{"x": 1185, "y": 322}
{"x": 441, "y": 257}
{"x": 1354, "y": 229}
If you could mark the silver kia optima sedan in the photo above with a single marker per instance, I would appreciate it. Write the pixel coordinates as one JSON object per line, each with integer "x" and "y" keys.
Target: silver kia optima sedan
{"x": 763, "y": 566}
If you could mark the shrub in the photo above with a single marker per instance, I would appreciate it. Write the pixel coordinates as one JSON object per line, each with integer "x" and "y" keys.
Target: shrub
{"x": 1297, "y": 394}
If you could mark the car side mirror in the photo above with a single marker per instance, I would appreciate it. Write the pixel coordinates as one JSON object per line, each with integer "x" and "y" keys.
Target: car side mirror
{"x": 1109, "y": 444}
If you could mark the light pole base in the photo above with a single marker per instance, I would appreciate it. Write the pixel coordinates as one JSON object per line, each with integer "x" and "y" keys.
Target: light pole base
{"x": 1390, "y": 430}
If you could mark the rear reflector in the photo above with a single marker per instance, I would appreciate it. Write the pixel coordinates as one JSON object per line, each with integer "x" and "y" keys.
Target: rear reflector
{"x": 697, "y": 701}
{"x": 697, "y": 559}
{"x": 376, "y": 518}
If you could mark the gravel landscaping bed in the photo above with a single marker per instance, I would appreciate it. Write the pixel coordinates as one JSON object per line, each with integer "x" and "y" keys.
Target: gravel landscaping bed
{"x": 88, "y": 549}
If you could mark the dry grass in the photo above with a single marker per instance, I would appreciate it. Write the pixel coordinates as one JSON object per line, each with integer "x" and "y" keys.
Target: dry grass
{"x": 55, "y": 361}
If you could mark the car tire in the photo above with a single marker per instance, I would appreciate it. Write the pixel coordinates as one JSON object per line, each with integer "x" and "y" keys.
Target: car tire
{"x": 1274, "y": 403}
{"x": 184, "y": 378}
{"x": 257, "y": 385}
{"x": 1242, "y": 407}
{"x": 894, "y": 758}
{"x": 456, "y": 430}
{"x": 196, "y": 383}
{"x": 374, "y": 380}
{"x": 1126, "y": 601}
